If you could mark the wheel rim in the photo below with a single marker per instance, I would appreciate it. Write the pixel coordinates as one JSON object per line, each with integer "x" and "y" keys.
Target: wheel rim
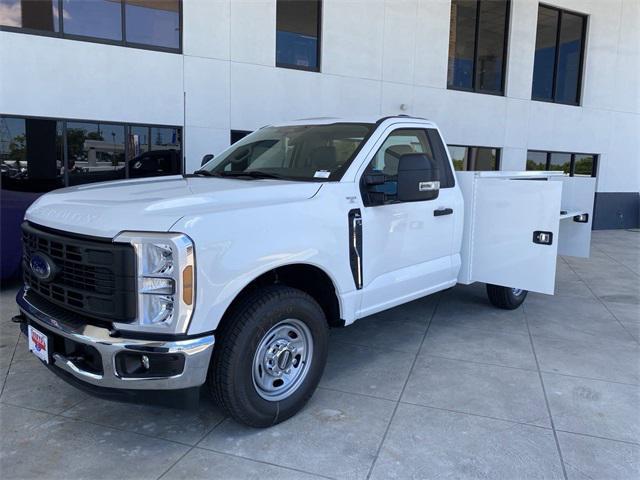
{"x": 282, "y": 359}
{"x": 517, "y": 291}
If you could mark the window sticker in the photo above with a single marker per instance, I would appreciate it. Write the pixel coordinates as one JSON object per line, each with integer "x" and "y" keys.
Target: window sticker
{"x": 322, "y": 174}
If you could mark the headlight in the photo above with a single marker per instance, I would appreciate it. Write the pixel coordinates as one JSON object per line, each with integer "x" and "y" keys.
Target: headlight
{"x": 166, "y": 275}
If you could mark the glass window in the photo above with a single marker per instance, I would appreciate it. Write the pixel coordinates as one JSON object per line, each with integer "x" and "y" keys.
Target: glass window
{"x": 474, "y": 158}
{"x": 298, "y": 34}
{"x": 95, "y": 152}
{"x": 574, "y": 164}
{"x": 584, "y": 165}
{"x": 459, "y": 156}
{"x": 302, "y": 152}
{"x": 398, "y": 143}
{"x": 478, "y": 35}
{"x": 558, "y": 59}
{"x": 536, "y": 160}
{"x": 237, "y": 135}
{"x": 95, "y": 18}
{"x": 31, "y": 154}
{"x": 153, "y": 22}
{"x": 31, "y": 14}
{"x": 560, "y": 162}
{"x": 569, "y": 58}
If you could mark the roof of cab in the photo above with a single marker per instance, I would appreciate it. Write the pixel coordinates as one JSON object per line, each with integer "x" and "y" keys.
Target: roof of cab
{"x": 330, "y": 120}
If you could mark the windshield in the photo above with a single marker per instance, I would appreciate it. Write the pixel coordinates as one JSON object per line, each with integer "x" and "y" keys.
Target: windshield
{"x": 299, "y": 152}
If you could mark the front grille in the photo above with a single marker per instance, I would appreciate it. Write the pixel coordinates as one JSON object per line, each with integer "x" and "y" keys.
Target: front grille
{"x": 92, "y": 277}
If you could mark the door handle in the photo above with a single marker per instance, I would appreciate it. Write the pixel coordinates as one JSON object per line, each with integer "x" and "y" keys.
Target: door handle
{"x": 442, "y": 211}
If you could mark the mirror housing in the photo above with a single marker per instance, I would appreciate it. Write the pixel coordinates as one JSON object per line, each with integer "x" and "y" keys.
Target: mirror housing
{"x": 207, "y": 158}
{"x": 418, "y": 178}
{"x": 372, "y": 179}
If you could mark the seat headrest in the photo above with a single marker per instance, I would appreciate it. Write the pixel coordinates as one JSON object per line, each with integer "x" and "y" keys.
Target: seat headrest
{"x": 392, "y": 158}
{"x": 323, "y": 158}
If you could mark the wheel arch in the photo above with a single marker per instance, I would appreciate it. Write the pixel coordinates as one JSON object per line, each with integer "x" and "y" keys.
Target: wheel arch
{"x": 309, "y": 278}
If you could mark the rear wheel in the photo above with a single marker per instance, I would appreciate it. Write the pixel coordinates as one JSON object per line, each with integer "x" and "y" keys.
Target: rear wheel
{"x": 505, "y": 297}
{"x": 269, "y": 356}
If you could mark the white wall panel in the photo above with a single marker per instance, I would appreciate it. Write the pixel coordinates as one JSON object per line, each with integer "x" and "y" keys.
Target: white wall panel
{"x": 208, "y": 25}
{"x": 253, "y": 31}
{"x": 207, "y": 92}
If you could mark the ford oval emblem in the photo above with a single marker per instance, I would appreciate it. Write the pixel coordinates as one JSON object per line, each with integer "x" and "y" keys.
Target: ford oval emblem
{"x": 41, "y": 266}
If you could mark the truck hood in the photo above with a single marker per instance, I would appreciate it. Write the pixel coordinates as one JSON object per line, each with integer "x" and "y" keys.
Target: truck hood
{"x": 155, "y": 204}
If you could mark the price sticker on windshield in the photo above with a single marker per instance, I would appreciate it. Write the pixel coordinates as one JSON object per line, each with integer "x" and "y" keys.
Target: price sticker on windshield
{"x": 322, "y": 174}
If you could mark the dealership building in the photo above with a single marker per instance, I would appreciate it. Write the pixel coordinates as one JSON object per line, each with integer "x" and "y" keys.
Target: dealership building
{"x": 107, "y": 89}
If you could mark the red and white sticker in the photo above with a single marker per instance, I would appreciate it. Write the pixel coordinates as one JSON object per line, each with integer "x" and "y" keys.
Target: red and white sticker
{"x": 39, "y": 344}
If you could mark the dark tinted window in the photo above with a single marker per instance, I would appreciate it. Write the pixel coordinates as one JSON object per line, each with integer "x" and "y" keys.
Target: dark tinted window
{"x": 298, "y": 34}
{"x": 584, "y": 165}
{"x": 153, "y": 22}
{"x": 536, "y": 160}
{"x": 560, "y": 162}
{"x": 95, "y": 152}
{"x": 237, "y": 135}
{"x": 31, "y": 14}
{"x": 574, "y": 164}
{"x": 477, "y": 41}
{"x": 559, "y": 55}
{"x": 569, "y": 58}
{"x": 475, "y": 158}
{"x": 31, "y": 154}
{"x": 95, "y": 18}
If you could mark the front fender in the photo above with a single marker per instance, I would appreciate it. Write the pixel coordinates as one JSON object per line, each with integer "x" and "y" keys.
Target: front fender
{"x": 234, "y": 248}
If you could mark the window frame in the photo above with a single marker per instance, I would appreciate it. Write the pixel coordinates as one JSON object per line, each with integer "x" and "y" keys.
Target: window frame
{"x": 498, "y": 156}
{"x": 103, "y": 41}
{"x": 583, "y": 50}
{"x": 436, "y": 150}
{"x": 127, "y": 130}
{"x": 548, "y": 153}
{"x": 507, "y": 32}
{"x": 316, "y": 69}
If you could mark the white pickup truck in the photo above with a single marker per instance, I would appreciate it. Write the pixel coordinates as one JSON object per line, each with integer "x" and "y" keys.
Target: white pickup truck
{"x": 233, "y": 275}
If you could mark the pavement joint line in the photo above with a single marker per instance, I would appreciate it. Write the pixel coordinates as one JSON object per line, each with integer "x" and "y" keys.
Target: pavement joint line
{"x": 547, "y": 372}
{"x": 395, "y": 409}
{"x": 190, "y": 449}
{"x": 628, "y": 442}
{"x": 606, "y": 307}
{"x": 546, "y": 399}
{"x": 489, "y": 417}
{"x": 616, "y": 260}
{"x": 263, "y": 462}
{"x": 13, "y": 354}
{"x": 404, "y": 402}
{"x": 475, "y": 362}
{"x": 354, "y": 344}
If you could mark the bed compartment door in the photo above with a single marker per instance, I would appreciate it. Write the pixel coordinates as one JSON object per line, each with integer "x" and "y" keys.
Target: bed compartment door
{"x": 577, "y": 216}
{"x": 514, "y": 241}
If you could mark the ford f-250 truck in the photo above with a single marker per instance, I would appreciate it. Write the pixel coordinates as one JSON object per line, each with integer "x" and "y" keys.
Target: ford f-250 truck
{"x": 233, "y": 275}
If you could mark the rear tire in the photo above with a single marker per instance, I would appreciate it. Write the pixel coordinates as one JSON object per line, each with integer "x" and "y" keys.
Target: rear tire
{"x": 504, "y": 297}
{"x": 269, "y": 356}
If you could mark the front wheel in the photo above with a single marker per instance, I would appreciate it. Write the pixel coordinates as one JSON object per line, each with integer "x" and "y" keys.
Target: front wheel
{"x": 505, "y": 297}
{"x": 270, "y": 356}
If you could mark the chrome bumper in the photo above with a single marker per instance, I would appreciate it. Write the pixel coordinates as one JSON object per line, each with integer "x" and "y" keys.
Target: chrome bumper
{"x": 197, "y": 353}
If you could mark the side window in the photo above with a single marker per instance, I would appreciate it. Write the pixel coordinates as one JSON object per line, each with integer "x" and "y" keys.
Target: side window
{"x": 387, "y": 158}
{"x": 398, "y": 143}
{"x": 447, "y": 179}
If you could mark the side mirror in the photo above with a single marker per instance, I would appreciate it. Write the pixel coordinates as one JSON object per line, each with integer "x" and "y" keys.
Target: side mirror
{"x": 373, "y": 179}
{"x": 207, "y": 158}
{"x": 418, "y": 178}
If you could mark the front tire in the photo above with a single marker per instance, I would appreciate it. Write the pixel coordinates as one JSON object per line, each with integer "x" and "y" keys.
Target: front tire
{"x": 269, "y": 356}
{"x": 504, "y": 297}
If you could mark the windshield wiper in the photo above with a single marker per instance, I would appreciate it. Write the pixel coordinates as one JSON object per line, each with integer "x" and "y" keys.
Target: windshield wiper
{"x": 253, "y": 174}
{"x": 206, "y": 173}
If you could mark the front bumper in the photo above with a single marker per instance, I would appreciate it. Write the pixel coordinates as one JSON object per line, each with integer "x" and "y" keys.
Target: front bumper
{"x": 196, "y": 351}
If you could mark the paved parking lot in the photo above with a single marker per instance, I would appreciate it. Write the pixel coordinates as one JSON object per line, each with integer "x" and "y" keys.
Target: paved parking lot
{"x": 444, "y": 387}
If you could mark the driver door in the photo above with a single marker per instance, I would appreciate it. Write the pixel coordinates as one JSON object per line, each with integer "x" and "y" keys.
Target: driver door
{"x": 407, "y": 246}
